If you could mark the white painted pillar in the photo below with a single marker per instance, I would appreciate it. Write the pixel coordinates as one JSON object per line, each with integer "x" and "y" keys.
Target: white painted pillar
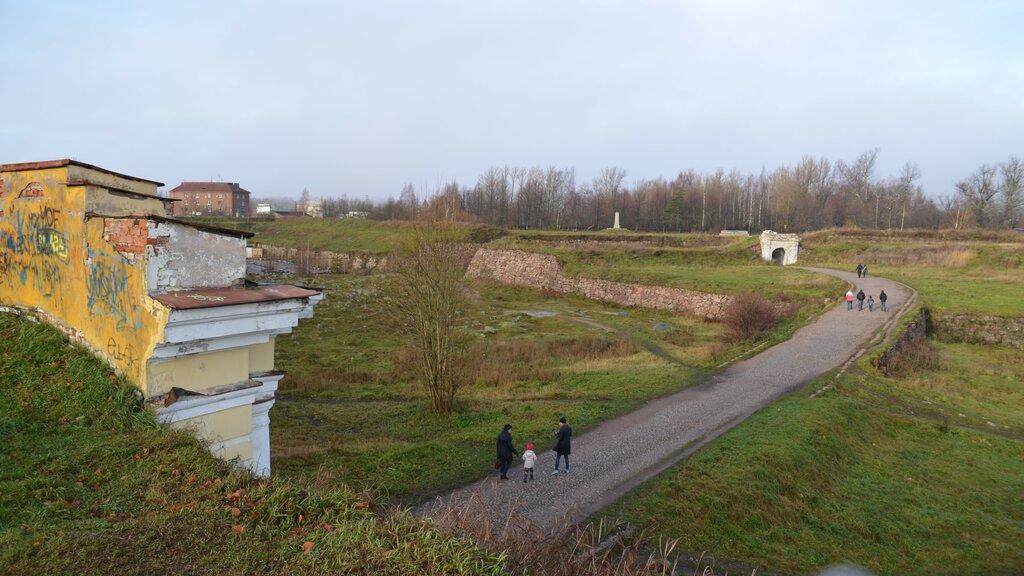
{"x": 616, "y": 221}
{"x": 261, "y": 437}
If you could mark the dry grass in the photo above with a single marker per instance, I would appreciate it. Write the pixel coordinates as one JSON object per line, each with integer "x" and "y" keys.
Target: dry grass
{"x": 602, "y": 548}
{"x": 942, "y": 256}
{"x": 506, "y": 362}
{"x": 918, "y": 355}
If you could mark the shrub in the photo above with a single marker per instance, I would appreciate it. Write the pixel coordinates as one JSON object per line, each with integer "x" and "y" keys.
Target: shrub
{"x": 916, "y": 355}
{"x": 747, "y": 316}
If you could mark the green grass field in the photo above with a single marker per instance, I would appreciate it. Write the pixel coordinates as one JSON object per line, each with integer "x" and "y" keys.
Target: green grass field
{"x": 694, "y": 261}
{"x": 90, "y": 484}
{"x": 919, "y": 474}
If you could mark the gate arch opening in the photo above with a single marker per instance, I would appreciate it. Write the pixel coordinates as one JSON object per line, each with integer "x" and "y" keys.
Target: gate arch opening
{"x": 778, "y": 256}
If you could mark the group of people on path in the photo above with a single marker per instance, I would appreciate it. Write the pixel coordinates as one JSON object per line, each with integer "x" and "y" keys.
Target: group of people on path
{"x": 862, "y": 272}
{"x": 507, "y": 451}
{"x": 850, "y": 297}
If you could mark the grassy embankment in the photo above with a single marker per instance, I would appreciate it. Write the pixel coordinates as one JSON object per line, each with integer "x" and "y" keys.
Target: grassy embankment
{"x": 90, "y": 484}
{"x": 917, "y": 474}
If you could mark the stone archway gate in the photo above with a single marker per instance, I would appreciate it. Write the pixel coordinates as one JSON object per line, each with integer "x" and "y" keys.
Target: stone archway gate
{"x": 779, "y": 248}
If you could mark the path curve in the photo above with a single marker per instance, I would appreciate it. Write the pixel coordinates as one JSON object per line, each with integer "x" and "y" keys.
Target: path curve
{"x": 619, "y": 454}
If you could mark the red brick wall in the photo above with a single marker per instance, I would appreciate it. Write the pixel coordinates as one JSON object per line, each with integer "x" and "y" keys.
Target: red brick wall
{"x": 128, "y": 235}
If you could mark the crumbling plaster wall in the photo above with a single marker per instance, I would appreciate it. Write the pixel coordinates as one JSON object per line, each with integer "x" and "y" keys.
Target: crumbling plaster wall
{"x": 542, "y": 271}
{"x": 181, "y": 257}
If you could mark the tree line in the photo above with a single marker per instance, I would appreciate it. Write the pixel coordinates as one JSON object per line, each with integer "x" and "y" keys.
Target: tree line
{"x": 812, "y": 194}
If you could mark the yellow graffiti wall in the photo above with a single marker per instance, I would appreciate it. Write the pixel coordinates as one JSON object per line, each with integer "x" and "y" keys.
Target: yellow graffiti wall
{"x": 55, "y": 260}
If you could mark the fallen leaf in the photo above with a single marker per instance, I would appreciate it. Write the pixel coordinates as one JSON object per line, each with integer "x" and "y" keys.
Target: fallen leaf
{"x": 235, "y": 512}
{"x": 307, "y": 547}
{"x": 237, "y": 528}
{"x": 362, "y": 505}
{"x": 328, "y": 528}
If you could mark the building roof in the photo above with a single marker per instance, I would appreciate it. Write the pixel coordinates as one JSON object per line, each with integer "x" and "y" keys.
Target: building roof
{"x": 120, "y": 190}
{"x": 228, "y": 187}
{"x": 197, "y": 225}
{"x": 68, "y": 162}
{"x": 216, "y": 297}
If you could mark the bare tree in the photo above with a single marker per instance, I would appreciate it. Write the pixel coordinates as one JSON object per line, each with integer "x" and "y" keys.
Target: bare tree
{"x": 978, "y": 192}
{"x": 905, "y": 187}
{"x": 407, "y": 201}
{"x": 427, "y": 305}
{"x": 1012, "y": 189}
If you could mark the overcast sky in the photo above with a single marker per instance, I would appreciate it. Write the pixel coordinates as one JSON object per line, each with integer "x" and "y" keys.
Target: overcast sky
{"x": 358, "y": 98}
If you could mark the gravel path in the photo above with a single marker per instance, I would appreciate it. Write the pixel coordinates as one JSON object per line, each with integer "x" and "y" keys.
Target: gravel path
{"x": 619, "y": 454}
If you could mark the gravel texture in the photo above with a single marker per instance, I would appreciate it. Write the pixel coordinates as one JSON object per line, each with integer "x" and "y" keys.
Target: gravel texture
{"x": 617, "y": 455}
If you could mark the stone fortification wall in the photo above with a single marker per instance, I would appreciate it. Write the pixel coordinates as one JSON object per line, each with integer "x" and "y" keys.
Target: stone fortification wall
{"x": 320, "y": 261}
{"x": 916, "y": 330}
{"x": 980, "y": 329}
{"x": 542, "y": 271}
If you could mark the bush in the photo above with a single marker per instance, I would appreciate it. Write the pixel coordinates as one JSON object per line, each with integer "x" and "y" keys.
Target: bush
{"x": 917, "y": 355}
{"x": 747, "y": 316}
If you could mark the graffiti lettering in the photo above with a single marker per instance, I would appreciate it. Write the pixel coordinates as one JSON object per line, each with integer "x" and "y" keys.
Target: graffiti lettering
{"x": 123, "y": 354}
{"x": 107, "y": 284}
{"x": 50, "y": 242}
{"x": 37, "y": 233}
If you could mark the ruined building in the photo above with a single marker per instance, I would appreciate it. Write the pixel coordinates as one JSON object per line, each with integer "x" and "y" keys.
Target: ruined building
{"x": 163, "y": 301}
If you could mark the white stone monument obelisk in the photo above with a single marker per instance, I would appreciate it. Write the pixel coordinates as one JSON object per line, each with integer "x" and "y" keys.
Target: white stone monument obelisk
{"x": 616, "y": 226}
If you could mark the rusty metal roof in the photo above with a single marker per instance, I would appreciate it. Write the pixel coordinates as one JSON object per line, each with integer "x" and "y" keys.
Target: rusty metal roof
{"x": 232, "y": 296}
{"x": 190, "y": 224}
{"x": 203, "y": 227}
{"x": 42, "y": 165}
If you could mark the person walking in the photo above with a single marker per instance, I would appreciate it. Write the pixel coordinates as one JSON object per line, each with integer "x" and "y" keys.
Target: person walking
{"x": 529, "y": 460}
{"x": 860, "y": 300}
{"x": 864, "y": 271}
{"x": 871, "y": 303}
{"x": 563, "y": 444}
{"x": 506, "y": 451}
{"x": 849, "y": 299}
{"x": 882, "y": 297}
{"x": 860, "y": 268}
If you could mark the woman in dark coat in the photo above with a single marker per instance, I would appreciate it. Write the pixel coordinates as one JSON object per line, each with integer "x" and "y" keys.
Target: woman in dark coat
{"x": 563, "y": 444}
{"x": 506, "y": 451}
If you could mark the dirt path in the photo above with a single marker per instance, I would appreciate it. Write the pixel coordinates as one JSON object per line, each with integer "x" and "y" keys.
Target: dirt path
{"x": 621, "y": 453}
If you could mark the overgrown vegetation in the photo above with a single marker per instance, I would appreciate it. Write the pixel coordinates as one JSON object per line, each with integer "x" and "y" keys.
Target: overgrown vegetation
{"x": 350, "y": 403}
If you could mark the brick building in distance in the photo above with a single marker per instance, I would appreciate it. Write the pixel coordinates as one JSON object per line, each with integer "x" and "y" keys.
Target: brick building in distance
{"x": 210, "y": 199}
